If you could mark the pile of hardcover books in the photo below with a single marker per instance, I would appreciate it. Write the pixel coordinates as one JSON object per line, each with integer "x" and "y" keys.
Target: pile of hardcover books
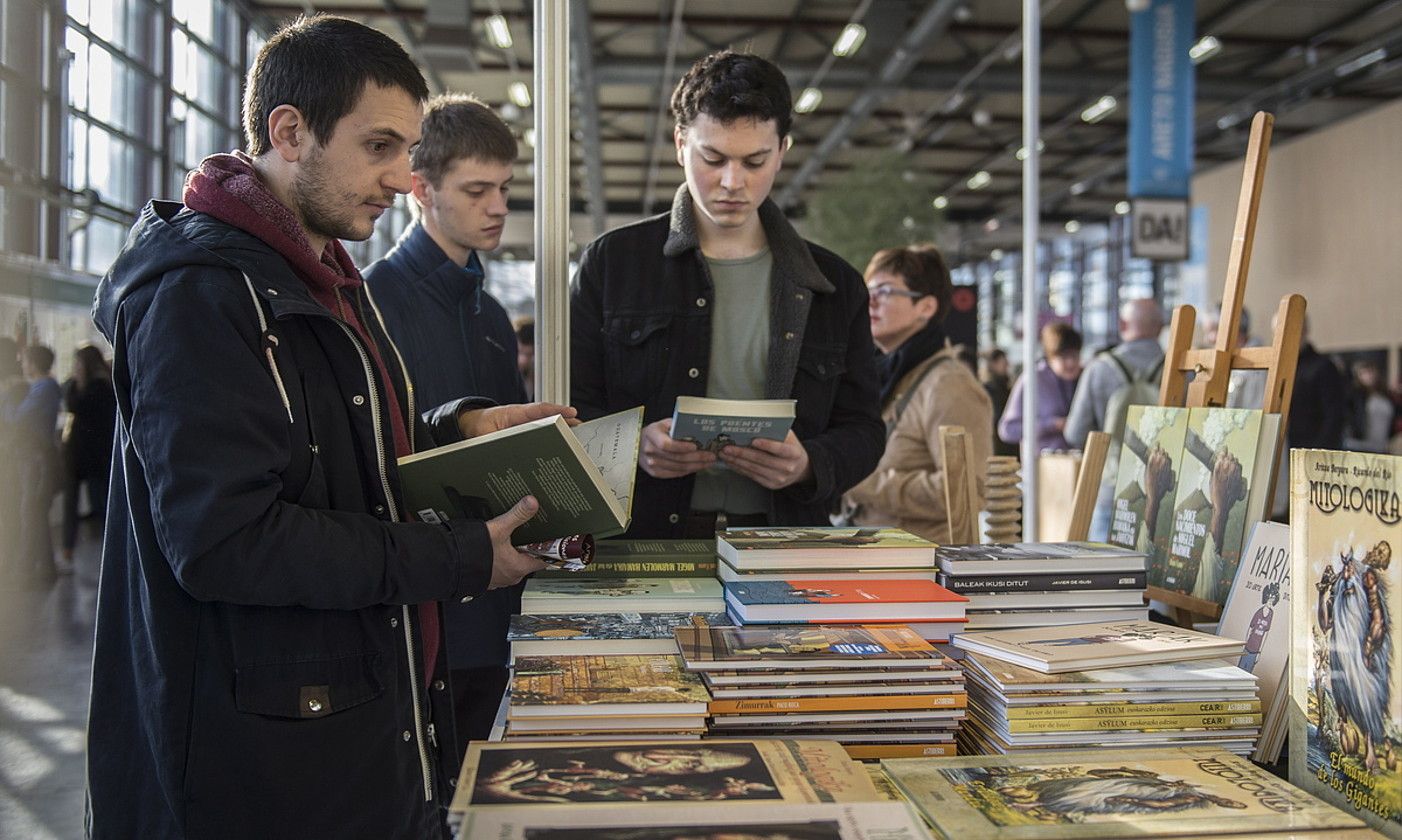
{"x": 1120, "y": 684}
{"x": 879, "y": 690}
{"x": 612, "y": 696}
{"x": 835, "y": 576}
{"x": 718, "y": 788}
{"x": 1012, "y": 585}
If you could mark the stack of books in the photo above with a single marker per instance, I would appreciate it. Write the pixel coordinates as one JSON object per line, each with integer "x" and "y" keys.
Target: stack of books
{"x": 618, "y": 696}
{"x": 1120, "y": 684}
{"x": 587, "y": 594}
{"x": 879, "y": 690}
{"x": 834, "y": 576}
{"x": 1159, "y": 793}
{"x": 1011, "y": 585}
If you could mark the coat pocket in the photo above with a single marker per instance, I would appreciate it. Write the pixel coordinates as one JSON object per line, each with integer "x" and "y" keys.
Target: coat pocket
{"x": 638, "y": 350}
{"x": 820, "y": 370}
{"x": 311, "y": 688}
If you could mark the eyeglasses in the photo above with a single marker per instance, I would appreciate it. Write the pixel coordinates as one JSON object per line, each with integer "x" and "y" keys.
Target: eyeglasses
{"x": 881, "y": 294}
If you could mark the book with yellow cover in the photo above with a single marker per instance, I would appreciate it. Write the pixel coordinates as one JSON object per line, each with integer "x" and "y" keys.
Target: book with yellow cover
{"x": 559, "y": 686}
{"x": 1345, "y": 688}
{"x": 631, "y": 772}
{"x": 1138, "y": 722}
{"x": 803, "y": 646}
{"x": 1063, "y": 711}
{"x": 766, "y": 705}
{"x": 1106, "y": 793}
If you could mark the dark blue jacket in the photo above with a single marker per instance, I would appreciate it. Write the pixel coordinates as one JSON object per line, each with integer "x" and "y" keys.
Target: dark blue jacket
{"x": 640, "y": 333}
{"x": 256, "y": 669}
{"x": 456, "y": 340}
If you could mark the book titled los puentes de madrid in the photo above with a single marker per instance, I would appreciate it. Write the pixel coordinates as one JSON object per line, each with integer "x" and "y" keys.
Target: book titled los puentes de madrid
{"x": 1346, "y": 700}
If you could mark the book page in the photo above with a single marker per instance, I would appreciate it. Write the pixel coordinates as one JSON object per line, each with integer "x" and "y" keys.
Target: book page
{"x": 612, "y": 444}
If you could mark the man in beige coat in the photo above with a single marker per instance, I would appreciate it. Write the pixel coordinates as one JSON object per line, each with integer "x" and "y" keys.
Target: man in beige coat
{"x": 923, "y": 386}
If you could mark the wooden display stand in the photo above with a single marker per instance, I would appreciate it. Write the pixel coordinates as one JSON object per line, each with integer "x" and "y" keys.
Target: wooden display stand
{"x": 1212, "y": 367}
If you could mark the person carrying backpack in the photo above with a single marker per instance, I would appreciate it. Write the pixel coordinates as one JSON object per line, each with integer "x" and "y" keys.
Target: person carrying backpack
{"x": 1116, "y": 379}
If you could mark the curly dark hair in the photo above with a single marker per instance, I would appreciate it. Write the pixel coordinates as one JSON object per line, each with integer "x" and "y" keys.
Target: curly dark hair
{"x": 729, "y": 86}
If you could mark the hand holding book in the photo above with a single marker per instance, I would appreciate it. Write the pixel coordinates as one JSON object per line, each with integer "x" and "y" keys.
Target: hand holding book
{"x": 771, "y": 464}
{"x": 481, "y": 421}
{"x": 509, "y": 564}
{"x": 660, "y": 456}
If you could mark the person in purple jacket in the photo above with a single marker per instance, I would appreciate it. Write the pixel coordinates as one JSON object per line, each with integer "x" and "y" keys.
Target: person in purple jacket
{"x": 1057, "y": 375}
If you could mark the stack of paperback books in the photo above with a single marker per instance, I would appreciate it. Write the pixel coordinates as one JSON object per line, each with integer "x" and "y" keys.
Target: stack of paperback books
{"x": 835, "y": 576}
{"x": 616, "y": 696}
{"x": 1012, "y": 585}
{"x": 1158, "y": 793}
{"x": 879, "y": 690}
{"x": 1120, "y": 684}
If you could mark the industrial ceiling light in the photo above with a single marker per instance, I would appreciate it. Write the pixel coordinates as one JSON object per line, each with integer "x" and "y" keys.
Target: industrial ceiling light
{"x": 1206, "y": 47}
{"x": 1021, "y": 153}
{"x": 940, "y": 202}
{"x": 979, "y": 180}
{"x": 1080, "y": 188}
{"x": 1122, "y": 208}
{"x": 995, "y": 254}
{"x": 853, "y": 34}
{"x": 520, "y": 94}
{"x": 1073, "y": 226}
{"x": 499, "y": 32}
{"x": 1348, "y": 68}
{"x": 1100, "y": 109}
{"x": 808, "y": 101}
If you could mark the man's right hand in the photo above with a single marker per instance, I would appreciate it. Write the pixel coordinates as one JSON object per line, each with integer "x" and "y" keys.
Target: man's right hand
{"x": 662, "y": 457}
{"x": 510, "y": 566}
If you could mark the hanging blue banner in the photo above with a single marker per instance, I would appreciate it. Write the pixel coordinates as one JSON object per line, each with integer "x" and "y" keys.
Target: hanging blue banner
{"x": 1161, "y": 98}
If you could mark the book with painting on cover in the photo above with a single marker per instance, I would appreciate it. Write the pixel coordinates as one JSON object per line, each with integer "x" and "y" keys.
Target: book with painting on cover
{"x": 806, "y": 646}
{"x": 768, "y": 772}
{"x": 1037, "y": 558}
{"x": 823, "y": 548}
{"x": 595, "y": 633}
{"x": 1077, "y": 647}
{"x": 647, "y": 558}
{"x": 712, "y": 423}
{"x": 581, "y": 476}
{"x": 843, "y": 599}
{"x": 884, "y": 820}
{"x": 1346, "y": 694}
{"x": 1258, "y": 612}
{"x": 560, "y": 686}
{"x": 1152, "y": 454}
{"x": 549, "y": 596}
{"x": 1163, "y": 792}
{"x": 1226, "y": 474}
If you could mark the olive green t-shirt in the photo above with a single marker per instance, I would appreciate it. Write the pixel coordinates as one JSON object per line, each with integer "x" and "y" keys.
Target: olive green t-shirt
{"x": 739, "y": 358}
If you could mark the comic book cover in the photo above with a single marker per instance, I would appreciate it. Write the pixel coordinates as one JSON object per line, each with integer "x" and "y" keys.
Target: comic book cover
{"x": 630, "y": 772}
{"x": 552, "y": 686}
{"x": 1222, "y": 483}
{"x": 1258, "y": 612}
{"x": 1106, "y": 793}
{"x": 1346, "y": 703}
{"x": 1142, "y": 517}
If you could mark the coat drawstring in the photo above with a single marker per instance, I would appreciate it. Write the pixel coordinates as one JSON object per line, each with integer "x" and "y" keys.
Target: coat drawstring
{"x": 270, "y": 341}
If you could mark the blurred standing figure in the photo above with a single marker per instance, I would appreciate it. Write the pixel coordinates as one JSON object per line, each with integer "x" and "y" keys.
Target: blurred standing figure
{"x": 525, "y": 351}
{"x": 87, "y": 441}
{"x": 1370, "y": 427}
{"x": 36, "y": 420}
{"x": 1056, "y": 377}
{"x": 12, "y": 392}
{"x": 923, "y": 387}
{"x": 998, "y": 382}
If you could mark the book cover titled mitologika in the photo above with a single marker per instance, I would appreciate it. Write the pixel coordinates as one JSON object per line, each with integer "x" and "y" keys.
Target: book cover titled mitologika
{"x": 1346, "y": 716}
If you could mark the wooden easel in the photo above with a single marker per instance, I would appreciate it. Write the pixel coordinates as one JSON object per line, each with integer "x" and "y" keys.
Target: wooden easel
{"x": 1212, "y": 367}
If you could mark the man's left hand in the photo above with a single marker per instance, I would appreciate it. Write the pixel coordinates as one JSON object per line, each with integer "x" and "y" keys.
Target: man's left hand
{"x": 480, "y": 421}
{"x": 769, "y": 463}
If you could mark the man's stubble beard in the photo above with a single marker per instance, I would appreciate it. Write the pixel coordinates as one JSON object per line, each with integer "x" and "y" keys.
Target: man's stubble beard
{"x": 322, "y": 207}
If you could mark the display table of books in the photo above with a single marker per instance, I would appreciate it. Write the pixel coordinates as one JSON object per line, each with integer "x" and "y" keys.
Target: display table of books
{"x": 995, "y": 691}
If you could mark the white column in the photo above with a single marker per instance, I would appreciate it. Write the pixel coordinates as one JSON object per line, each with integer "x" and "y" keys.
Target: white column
{"x": 551, "y": 98}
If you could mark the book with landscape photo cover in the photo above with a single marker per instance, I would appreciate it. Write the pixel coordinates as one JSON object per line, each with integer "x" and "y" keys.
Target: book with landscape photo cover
{"x": 577, "y": 633}
{"x": 1076, "y": 647}
{"x": 558, "y": 686}
{"x": 551, "y": 595}
{"x": 833, "y": 599}
{"x": 1166, "y": 792}
{"x": 806, "y": 646}
{"x": 1228, "y": 461}
{"x": 820, "y": 547}
{"x": 1142, "y": 513}
{"x": 581, "y": 476}
{"x": 712, "y": 424}
{"x": 737, "y": 771}
{"x": 1345, "y": 692}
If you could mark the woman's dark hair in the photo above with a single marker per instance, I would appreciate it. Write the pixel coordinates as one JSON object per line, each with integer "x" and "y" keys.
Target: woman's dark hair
{"x": 1059, "y": 337}
{"x": 729, "y": 86}
{"x": 89, "y": 365}
{"x": 320, "y": 65}
{"x": 923, "y": 270}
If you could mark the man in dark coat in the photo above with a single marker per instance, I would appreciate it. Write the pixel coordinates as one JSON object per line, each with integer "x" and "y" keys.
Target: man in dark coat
{"x": 457, "y": 339}
{"x": 268, "y": 660}
{"x": 722, "y": 298}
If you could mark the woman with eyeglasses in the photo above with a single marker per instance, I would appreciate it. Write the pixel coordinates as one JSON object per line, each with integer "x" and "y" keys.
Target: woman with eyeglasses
{"x": 923, "y": 386}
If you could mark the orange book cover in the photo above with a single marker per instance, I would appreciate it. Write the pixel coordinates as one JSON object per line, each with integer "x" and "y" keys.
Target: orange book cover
{"x": 881, "y": 702}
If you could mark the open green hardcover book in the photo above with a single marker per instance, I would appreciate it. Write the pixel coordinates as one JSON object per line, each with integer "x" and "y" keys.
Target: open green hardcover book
{"x": 582, "y": 476}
